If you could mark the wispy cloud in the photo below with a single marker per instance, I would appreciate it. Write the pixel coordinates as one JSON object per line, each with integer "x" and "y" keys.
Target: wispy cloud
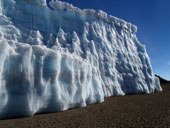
{"x": 169, "y": 63}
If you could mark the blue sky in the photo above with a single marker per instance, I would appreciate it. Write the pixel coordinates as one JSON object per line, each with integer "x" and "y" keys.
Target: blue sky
{"x": 153, "y": 20}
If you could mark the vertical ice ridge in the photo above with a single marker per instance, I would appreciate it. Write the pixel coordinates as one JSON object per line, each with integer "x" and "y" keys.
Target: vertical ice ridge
{"x": 0, "y": 7}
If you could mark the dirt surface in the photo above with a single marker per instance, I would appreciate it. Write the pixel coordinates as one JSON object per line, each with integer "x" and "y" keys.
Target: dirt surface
{"x": 127, "y": 111}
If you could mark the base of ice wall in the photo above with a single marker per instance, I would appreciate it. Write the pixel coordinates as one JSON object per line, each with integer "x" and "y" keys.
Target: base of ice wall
{"x": 36, "y": 79}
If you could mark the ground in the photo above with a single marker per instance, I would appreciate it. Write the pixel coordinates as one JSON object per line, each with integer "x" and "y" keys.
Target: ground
{"x": 125, "y": 111}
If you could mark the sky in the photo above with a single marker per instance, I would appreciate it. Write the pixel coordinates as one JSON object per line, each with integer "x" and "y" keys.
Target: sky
{"x": 152, "y": 17}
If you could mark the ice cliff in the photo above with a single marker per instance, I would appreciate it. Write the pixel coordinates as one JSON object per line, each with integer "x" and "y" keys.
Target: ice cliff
{"x": 54, "y": 56}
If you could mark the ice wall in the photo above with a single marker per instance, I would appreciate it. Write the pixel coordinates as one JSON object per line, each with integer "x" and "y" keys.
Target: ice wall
{"x": 54, "y": 56}
{"x": 0, "y": 7}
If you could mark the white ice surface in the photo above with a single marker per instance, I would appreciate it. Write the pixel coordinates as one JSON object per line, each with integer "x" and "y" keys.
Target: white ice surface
{"x": 57, "y": 57}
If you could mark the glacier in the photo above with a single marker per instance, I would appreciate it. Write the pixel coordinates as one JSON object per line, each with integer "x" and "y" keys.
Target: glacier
{"x": 54, "y": 56}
